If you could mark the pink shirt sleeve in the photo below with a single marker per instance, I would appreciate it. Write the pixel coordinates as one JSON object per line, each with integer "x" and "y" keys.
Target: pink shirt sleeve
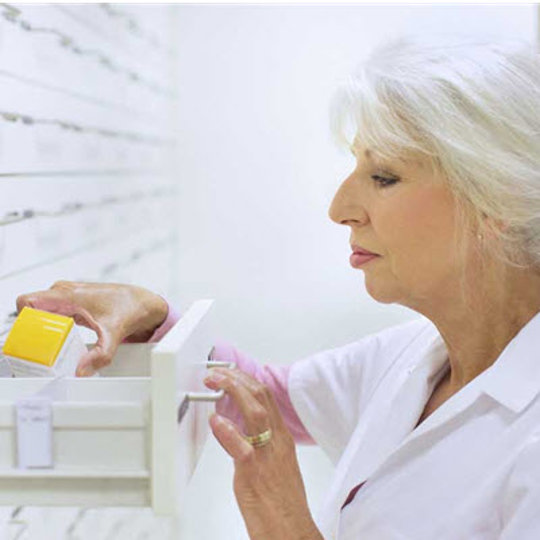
{"x": 172, "y": 318}
{"x": 274, "y": 377}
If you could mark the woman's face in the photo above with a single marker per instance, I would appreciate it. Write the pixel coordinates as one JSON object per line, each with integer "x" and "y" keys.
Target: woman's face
{"x": 401, "y": 211}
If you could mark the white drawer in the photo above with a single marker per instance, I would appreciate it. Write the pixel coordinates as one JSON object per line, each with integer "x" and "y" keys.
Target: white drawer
{"x": 116, "y": 438}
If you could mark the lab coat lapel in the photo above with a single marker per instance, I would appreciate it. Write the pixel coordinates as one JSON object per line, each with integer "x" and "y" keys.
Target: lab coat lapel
{"x": 513, "y": 380}
{"x": 384, "y": 425}
{"x": 455, "y": 405}
{"x": 390, "y": 429}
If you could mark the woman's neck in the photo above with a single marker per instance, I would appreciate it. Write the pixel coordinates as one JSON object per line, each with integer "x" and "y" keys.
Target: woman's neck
{"x": 477, "y": 333}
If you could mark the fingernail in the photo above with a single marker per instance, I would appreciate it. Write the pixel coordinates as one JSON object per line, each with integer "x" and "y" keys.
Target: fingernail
{"x": 214, "y": 376}
{"x": 86, "y": 371}
{"x": 218, "y": 419}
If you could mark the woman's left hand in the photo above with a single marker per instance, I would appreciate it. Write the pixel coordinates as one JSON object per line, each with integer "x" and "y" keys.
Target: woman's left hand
{"x": 267, "y": 482}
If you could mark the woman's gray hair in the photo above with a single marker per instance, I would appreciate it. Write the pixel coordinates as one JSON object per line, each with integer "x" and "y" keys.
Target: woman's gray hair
{"x": 473, "y": 108}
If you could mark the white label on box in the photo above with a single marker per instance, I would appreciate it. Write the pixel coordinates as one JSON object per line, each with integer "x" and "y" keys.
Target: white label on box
{"x": 34, "y": 432}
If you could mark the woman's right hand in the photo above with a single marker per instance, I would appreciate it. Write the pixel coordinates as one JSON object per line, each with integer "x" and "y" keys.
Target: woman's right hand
{"x": 114, "y": 311}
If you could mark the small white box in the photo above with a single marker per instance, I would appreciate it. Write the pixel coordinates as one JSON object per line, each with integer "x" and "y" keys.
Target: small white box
{"x": 42, "y": 344}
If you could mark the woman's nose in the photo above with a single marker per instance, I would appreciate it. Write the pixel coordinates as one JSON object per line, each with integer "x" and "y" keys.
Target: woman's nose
{"x": 346, "y": 206}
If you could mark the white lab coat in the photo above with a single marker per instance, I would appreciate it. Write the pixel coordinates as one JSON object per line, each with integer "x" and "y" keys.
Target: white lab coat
{"x": 470, "y": 471}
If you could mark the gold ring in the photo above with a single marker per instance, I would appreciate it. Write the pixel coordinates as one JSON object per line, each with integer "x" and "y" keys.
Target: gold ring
{"x": 259, "y": 440}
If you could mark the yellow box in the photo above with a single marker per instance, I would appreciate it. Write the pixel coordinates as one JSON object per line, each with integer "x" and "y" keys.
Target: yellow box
{"x": 43, "y": 344}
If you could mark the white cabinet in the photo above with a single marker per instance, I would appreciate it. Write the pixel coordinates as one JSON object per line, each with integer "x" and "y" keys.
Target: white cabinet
{"x": 117, "y": 439}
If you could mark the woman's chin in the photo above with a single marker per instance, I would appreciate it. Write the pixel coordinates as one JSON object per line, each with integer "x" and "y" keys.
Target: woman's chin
{"x": 380, "y": 293}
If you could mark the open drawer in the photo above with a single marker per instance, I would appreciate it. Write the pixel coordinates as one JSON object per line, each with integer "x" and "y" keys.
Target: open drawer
{"x": 124, "y": 438}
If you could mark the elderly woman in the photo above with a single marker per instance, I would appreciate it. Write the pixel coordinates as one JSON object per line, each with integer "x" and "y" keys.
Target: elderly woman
{"x": 434, "y": 425}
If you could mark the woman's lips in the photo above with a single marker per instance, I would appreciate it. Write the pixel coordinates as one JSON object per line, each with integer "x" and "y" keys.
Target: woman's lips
{"x": 358, "y": 259}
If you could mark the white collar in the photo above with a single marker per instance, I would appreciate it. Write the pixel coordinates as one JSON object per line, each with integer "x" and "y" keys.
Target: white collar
{"x": 513, "y": 379}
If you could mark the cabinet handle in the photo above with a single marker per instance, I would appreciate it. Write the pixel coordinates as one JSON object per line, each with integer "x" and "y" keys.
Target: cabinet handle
{"x": 210, "y": 396}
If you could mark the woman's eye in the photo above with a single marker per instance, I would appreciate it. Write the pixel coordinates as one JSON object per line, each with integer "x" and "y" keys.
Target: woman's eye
{"x": 384, "y": 181}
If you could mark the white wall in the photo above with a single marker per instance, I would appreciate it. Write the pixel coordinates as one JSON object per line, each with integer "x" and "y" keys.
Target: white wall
{"x": 98, "y": 201}
{"x": 258, "y": 170}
